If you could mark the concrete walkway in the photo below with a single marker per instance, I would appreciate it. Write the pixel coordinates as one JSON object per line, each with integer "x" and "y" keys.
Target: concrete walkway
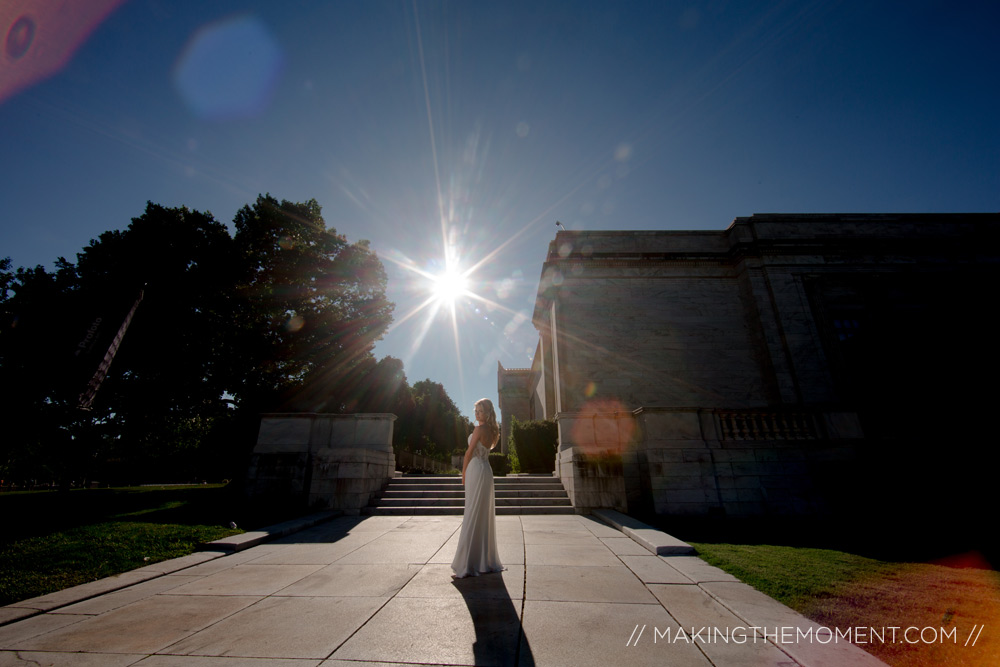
{"x": 366, "y": 591}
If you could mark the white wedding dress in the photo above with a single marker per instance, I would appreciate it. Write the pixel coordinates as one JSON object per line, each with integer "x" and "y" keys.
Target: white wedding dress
{"x": 477, "y": 545}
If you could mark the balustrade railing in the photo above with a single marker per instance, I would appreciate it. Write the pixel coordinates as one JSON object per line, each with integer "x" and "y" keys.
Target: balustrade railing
{"x": 420, "y": 462}
{"x": 762, "y": 425}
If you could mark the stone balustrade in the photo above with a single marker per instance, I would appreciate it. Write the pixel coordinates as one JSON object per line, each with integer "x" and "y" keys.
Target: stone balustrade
{"x": 753, "y": 425}
{"x": 420, "y": 462}
{"x": 689, "y": 461}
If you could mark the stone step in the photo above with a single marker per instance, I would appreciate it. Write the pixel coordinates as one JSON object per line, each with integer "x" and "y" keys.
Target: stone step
{"x": 460, "y": 502}
{"x": 458, "y": 511}
{"x": 499, "y": 493}
{"x": 434, "y": 490}
{"x": 426, "y": 494}
{"x": 453, "y": 480}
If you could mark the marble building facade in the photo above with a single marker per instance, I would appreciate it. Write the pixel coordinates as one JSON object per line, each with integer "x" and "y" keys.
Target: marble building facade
{"x": 765, "y": 369}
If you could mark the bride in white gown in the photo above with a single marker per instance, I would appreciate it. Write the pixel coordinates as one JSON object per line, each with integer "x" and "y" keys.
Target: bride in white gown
{"x": 477, "y": 545}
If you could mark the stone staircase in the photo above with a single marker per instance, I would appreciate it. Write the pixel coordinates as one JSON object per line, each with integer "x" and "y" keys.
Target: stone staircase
{"x": 516, "y": 494}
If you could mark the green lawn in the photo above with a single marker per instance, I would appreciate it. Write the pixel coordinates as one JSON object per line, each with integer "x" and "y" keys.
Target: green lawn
{"x": 54, "y": 540}
{"x": 845, "y": 590}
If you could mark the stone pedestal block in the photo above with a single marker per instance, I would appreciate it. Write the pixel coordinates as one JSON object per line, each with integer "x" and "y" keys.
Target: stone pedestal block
{"x": 321, "y": 460}
{"x": 592, "y": 483}
{"x": 596, "y": 459}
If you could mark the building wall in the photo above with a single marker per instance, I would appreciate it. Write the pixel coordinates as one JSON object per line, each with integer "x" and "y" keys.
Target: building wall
{"x": 636, "y": 328}
{"x": 743, "y": 322}
{"x": 515, "y": 399}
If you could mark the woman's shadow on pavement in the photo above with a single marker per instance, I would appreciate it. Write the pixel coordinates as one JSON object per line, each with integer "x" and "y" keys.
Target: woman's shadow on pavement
{"x": 500, "y": 639}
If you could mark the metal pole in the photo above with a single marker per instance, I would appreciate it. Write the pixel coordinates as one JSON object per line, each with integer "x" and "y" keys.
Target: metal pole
{"x": 90, "y": 393}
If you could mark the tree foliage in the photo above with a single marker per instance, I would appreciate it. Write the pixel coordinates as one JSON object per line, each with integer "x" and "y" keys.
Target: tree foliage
{"x": 6, "y": 278}
{"x": 310, "y": 306}
{"x": 281, "y": 315}
{"x": 435, "y": 426}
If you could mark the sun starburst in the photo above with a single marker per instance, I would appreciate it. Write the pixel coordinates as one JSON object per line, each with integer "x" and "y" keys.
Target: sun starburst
{"x": 449, "y": 286}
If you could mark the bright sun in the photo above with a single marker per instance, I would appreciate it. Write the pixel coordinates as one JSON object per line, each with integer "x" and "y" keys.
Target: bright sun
{"x": 449, "y": 286}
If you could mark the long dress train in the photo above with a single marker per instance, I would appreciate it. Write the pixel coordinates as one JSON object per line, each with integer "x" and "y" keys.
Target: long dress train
{"x": 477, "y": 545}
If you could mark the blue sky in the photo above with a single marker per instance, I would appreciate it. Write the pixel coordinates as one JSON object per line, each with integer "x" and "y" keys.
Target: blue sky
{"x": 477, "y": 125}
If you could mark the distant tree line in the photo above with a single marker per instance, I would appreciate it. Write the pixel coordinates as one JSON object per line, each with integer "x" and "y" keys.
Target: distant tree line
{"x": 282, "y": 314}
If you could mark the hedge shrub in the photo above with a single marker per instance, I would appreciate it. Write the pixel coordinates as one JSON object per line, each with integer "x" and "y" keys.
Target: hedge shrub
{"x": 498, "y": 461}
{"x": 534, "y": 443}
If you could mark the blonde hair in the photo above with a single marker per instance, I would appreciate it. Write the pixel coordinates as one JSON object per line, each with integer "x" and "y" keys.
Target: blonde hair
{"x": 492, "y": 428}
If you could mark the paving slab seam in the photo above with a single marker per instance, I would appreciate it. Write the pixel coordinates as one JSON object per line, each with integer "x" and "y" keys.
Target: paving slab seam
{"x": 375, "y": 613}
{"x": 697, "y": 645}
{"x": 524, "y": 595}
{"x": 665, "y": 546}
{"x": 721, "y": 602}
{"x": 749, "y": 622}
{"x": 676, "y": 547}
{"x": 35, "y": 611}
{"x": 225, "y": 547}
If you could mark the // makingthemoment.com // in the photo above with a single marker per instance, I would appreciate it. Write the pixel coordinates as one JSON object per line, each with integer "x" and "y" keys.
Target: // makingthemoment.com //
{"x": 892, "y": 634}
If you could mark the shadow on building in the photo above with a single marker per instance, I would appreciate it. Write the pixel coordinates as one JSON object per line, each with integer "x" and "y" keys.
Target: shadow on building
{"x": 829, "y": 366}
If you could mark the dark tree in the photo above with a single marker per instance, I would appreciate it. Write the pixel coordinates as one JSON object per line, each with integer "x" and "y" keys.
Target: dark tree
{"x": 310, "y": 307}
{"x": 35, "y": 352}
{"x": 383, "y": 388}
{"x": 436, "y": 419}
{"x": 283, "y": 315}
{"x": 165, "y": 378}
{"x": 6, "y": 279}
{"x": 170, "y": 373}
